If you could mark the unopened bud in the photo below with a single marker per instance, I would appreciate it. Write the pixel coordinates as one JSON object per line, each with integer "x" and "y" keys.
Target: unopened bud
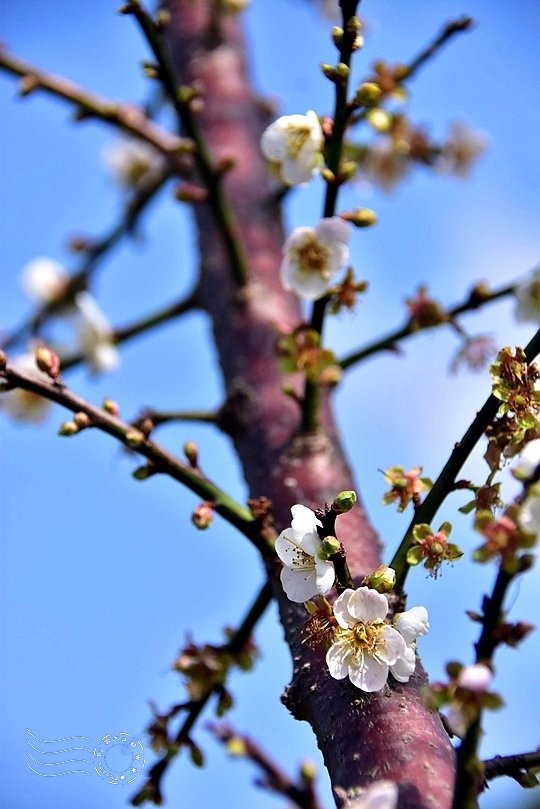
{"x": 328, "y": 175}
{"x": 134, "y": 439}
{"x": 68, "y": 428}
{"x": 191, "y": 451}
{"x": 163, "y": 18}
{"x": 383, "y": 579}
{"x": 150, "y": 70}
{"x": 343, "y": 70}
{"x": 236, "y": 746}
{"x": 347, "y": 170}
{"x": 360, "y": 218}
{"x": 189, "y": 192}
{"x": 203, "y": 516}
{"x": 368, "y": 94}
{"x": 337, "y": 36}
{"x": 329, "y": 546}
{"x": 344, "y": 501}
{"x": 379, "y": 119}
{"x": 3, "y": 361}
{"x": 144, "y": 472}
{"x": 82, "y": 420}
{"x": 187, "y": 94}
{"x": 354, "y": 24}
{"x": 308, "y": 772}
{"x": 329, "y": 71}
{"x": 48, "y": 362}
{"x": 111, "y": 407}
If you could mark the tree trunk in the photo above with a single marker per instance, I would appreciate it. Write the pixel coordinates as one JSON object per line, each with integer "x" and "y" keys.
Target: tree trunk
{"x": 363, "y": 737}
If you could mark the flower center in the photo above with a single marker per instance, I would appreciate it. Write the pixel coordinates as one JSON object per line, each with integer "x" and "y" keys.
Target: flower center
{"x": 312, "y": 256}
{"x": 297, "y": 137}
{"x": 302, "y": 560}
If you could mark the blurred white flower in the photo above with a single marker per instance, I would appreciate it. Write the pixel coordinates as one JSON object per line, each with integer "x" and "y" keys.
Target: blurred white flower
{"x": 294, "y": 143}
{"x": 472, "y": 683}
{"x": 96, "y": 338}
{"x": 380, "y": 795}
{"x": 23, "y": 405}
{"x": 132, "y": 162}
{"x": 367, "y": 648}
{"x": 462, "y": 149}
{"x": 44, "y": 279}
{"x": 529, "y": 513}
{"x": 304, "y": 574}
{"x": 528, "y": 460}
{"x": 527, "y": 297}
{"x": 475, "y": 353}
{"x": 313, "y": 256}
{"x": 385, "y": 165}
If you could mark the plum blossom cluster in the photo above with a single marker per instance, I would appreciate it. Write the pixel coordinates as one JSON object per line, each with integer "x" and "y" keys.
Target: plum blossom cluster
{"x": 367, "y": 644}
{"x": 432, "y": 548}
{"x": 405, "y": 487}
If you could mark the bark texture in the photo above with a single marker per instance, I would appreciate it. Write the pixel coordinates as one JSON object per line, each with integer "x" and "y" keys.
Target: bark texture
{"x": 362, "y": 737}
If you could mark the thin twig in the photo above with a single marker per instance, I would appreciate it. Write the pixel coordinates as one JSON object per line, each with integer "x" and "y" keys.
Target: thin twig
{"x": 152, "y": 787}
{"x": 275, "y": 779}
{"x": 447, "y": 478}
{"x": 211, "y": 176}
{"x": 94, "y": 254}
{"x": 160, "y": 459}
{"x": 390, "y": 340}
{"x": 511, "y": 765}
{"x": 128, "y": 118}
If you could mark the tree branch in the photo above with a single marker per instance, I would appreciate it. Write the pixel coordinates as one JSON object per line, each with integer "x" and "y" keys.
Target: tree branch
{"x": 447, "y": 478}
{"x": 514, "y": 766}
{"x": 388, "y": 342}
{"x": 160, "y": 459}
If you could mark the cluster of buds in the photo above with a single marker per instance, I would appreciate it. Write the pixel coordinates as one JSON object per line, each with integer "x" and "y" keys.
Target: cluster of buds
{"x": 301, "y": 351}
{"x": 432, "y": 548}
{"x": 406, "y": 487}
{"x": 466, "y": 694}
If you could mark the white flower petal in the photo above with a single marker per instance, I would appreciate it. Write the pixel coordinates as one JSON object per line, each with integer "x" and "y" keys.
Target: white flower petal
{"x": 528, "y": 460}
{"x": 287, "y": 546}
{"x": 337, "y": 660}
{"x": 476, "y": 678}
{"x": 308, "y": 285}
{"x": 325, "y": 576}
{"x": 341, "y": 611}
{"x": 44, "y": 279}
{"x": 273, "y": 144}
{"x": 304, "y": 520}
{"x": 370, "y": 675}
{"x": 367, "y": 605}
{"x": 299, "y": 585}
{"x": 391, "y": 645}
{"x": 380, "y": 795}
{"x": 333, "y": 229}
{"x": 403, "y": 668}
{"x": 412, "y": 623}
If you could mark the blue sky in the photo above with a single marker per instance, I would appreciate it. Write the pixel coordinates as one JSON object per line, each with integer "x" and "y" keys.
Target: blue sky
{"x": 102, "y": 577}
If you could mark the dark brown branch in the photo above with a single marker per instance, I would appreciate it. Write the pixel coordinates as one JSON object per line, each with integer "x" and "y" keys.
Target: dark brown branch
{"x": 514, "y": 766}
{"x": 275, "y": 779}
{"x": 390, "y": 341}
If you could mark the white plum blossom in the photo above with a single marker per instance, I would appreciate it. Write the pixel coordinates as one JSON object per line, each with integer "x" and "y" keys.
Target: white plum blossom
{"x": 313, "y": 257}
{"x": 304, "y": 574}
{"x": 476, "y": 680}
{"x": 462, "y": 149}
{"x": 95, "y": 335}
{"x": 528, "y": 460}
{"x": 527, "y": 297}
{"x": 23, "y": 405}
{"x": 367, "y": 648}
{"x": 529, "y": 513}
{"x": 132, "y": 162}
{"x": 44, "y": 279}
{"x": 380, "y": 795}
{"x": 294, "y": 143}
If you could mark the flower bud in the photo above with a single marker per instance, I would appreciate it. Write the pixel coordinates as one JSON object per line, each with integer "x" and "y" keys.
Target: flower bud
{"x": 337, "y": 36}
{"x": 329, "y": 546}
{"x": 82, "y": 420}
{"x": 383, "y": 579}
{"x": 236, "y": 746}
{"x": 48, "y": 362}
{"x": 68, "y": 428}
{"x": 144, "y": 472}
{"x": 134, "y": 439}
{"x": 111, "y": 407}
{"x": 347, "y": 170}
{"x": 308, "y": 772}
{"x": 344, "y": 501}
{"x": 360, "y": 218}
{"x": 3, "y": 361}
{"x": 368, "y": 94}
{"x": 191, "y": 451}
{"x": 203, "y": 516}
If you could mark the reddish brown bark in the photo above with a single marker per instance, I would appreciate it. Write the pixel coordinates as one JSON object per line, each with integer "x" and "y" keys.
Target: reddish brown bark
{"x": 362, "y": 737}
